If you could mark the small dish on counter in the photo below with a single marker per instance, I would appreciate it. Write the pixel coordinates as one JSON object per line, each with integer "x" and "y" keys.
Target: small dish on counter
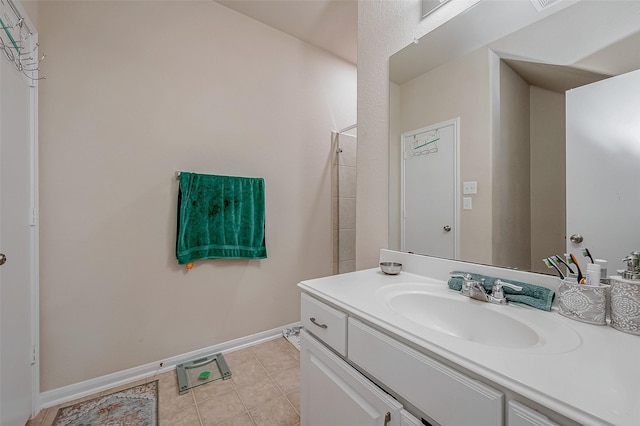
{"x": 391, "y": 268}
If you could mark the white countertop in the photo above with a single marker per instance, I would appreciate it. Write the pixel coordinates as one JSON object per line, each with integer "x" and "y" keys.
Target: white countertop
{"x": 595, "y": 382}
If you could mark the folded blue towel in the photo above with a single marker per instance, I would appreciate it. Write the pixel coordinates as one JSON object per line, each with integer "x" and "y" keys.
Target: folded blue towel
{"x": 532, "y": 295}
{"x": 220, "y": 217}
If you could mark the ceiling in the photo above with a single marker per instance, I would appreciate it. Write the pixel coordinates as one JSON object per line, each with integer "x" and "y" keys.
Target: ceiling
{"x": 557, "y": 78}
{"x": 331, "y": 25}
{"x": 598, "y": 38}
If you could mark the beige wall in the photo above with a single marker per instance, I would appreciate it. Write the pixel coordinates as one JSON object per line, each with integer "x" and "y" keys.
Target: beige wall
{"x": 548, "y": 180}
{"x": 458, "y": 88}
{"x": 134, "y": 92}
{"x": 395, "y": 157}
{"x": 31, "y": 9}
{"x": 511, "y": 174}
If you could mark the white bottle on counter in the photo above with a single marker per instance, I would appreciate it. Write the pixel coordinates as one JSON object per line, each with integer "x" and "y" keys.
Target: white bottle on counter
{"x": 593, "y": 274}
{"x": 603, "y": 267}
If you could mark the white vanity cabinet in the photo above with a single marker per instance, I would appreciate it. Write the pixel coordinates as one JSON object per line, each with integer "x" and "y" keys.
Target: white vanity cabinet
{"x": 392, "y": 332}
{"x": 334, "y": 393}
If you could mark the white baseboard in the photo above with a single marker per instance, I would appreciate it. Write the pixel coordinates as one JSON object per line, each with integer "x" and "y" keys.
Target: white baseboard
{"x": 99, "y": 384}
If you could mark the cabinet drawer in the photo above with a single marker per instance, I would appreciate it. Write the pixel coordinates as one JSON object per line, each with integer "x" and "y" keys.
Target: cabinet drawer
{"x": 521, "y": 415}
{"x": 406, "y": 419}
{"x": 442, "y": 393}
{"x": 324, "y": 322}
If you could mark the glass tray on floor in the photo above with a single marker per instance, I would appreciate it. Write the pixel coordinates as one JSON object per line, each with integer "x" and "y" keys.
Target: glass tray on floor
{"x": 201, "y": 371}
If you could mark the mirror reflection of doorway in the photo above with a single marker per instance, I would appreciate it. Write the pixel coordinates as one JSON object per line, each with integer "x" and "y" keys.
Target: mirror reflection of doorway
{"x": 429, "y": 190}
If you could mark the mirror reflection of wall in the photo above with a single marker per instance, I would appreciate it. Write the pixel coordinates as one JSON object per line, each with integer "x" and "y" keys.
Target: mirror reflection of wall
{"x": 509, "y": 95}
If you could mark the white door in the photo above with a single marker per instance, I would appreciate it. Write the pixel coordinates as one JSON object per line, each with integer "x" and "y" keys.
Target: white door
{"x": 603, "y": 167}
{"x": 429, "y": 190}
{"x": 15, "y": 243}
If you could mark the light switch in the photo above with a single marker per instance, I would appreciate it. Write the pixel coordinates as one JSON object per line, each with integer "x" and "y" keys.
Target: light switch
{"x": 470, "y": 187}
{"x": 467, "y": 204}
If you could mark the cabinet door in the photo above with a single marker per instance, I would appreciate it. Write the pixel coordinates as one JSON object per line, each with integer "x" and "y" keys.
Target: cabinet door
{"x": 521, "y": 415}
{"x": 333, "y": 393}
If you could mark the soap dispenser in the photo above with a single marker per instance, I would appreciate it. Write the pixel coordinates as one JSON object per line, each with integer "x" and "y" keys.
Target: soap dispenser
{"x": 633, "y": 266}
{"x": 625, "y": 296}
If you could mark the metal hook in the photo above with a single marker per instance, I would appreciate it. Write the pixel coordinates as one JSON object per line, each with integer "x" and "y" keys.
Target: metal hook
{"x": 35, "y": 47}
{"x": 31, "y": 77}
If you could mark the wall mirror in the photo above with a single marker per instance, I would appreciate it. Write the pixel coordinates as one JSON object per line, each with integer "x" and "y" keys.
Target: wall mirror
{"x": 503, "y": 68}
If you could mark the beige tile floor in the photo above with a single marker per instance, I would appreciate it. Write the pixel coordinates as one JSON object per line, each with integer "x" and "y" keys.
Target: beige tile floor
{"x": 264, "y": 390}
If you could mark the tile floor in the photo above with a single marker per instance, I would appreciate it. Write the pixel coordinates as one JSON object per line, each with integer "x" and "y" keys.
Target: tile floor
{"x": 264, "y": 390}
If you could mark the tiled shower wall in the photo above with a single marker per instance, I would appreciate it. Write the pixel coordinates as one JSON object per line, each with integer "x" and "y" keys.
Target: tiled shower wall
{"x": 344, "y": 203}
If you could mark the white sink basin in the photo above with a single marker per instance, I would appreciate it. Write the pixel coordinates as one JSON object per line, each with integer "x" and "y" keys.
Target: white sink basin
{"x": 448, "y": 312}
{"x": 465, "y": 319}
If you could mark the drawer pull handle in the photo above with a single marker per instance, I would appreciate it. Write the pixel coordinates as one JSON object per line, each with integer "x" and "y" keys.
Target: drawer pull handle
{"x": 313, "y": 320}
{"x": 387, "y": 419}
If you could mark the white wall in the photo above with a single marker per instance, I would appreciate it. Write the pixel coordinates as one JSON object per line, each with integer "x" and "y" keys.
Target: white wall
{"x": 384, "y": 27}
{"x": 134, "y": 92}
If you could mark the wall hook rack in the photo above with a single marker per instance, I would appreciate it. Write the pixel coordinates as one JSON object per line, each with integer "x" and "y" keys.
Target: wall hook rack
{"x": 17, "y": 41}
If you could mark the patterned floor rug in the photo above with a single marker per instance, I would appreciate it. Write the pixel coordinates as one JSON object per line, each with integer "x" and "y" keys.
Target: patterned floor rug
{"x": 136, "y": 406}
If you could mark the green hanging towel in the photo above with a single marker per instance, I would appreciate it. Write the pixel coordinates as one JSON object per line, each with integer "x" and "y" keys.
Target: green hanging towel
{"x": 220, "y": 217}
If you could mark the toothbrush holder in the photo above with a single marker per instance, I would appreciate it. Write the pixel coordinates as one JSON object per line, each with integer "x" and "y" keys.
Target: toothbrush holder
{"x": 581, "y": 302}
{"x": 625, "y": 305}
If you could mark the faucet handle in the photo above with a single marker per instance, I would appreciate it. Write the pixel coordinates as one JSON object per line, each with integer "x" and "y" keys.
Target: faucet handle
{"x": 467, "y": 279}
{"x": 465, "y": 276}
{"x": 499, "y": 283}
{"x": 497, "y": 291}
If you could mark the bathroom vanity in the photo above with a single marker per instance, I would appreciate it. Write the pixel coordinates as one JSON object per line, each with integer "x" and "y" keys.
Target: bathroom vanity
{"x": 406, "y": 350}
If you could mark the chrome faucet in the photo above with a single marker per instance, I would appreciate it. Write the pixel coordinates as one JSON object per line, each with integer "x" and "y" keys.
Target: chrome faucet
{"x": 476, "y": 290}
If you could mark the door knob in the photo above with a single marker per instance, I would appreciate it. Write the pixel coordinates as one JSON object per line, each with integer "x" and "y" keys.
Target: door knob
{"x": 576, "y": 238}
{"x": 3, "y": 259}
{"x": 446, "y": 228}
